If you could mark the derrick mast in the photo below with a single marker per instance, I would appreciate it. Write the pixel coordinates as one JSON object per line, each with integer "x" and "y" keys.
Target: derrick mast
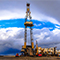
{"x": 30, "y": 25}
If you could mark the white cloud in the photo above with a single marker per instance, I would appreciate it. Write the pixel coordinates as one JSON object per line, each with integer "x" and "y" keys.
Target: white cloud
{"x": 42, "y": 17}
{"x": 11, "y": 37}
{"x": 37, "y": 25}
{"x": 6, "y": 14}
{"x": 57, "y": 26}
{"x": 56, "y": 31}
{"x": 14, "y": 38}
{"x": 20, "y": 13}
{"x": 8, "y": 32}
{"x": 46, "y": 38}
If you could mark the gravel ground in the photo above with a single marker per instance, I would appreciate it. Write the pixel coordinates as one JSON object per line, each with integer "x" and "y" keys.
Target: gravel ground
{"x": 29, "y": 58}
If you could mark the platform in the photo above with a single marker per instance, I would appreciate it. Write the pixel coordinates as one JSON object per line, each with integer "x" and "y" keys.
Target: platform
{"x": 28, "y": 24}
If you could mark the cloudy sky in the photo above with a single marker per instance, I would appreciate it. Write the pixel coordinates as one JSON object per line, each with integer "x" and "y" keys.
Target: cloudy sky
{"x": 46, "y": 19}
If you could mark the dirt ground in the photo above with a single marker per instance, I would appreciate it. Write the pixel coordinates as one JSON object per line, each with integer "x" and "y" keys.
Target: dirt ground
{"x": 29, "y": 58}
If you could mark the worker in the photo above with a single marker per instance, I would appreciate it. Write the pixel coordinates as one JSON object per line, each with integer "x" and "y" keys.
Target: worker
{"x": 36, "y": 54}
{"x": 39, "y": 55}
{"x": 17, "y": 55}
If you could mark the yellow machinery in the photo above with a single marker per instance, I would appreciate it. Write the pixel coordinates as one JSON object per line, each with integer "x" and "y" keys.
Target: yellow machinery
{"x": 28, "y": 23}
{"x": 45, "y": 51}
{"x": 38, "y": 49}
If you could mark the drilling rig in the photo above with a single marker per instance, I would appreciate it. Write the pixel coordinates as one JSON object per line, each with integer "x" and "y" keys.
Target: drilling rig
{"x": 28, "y": 49}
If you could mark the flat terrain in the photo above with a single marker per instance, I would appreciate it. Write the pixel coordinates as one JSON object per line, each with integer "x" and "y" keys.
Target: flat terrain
{"x": 29, "y": 58}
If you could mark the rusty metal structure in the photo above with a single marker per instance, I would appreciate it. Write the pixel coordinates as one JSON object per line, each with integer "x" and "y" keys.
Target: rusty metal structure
{"x": 28, "y": 49}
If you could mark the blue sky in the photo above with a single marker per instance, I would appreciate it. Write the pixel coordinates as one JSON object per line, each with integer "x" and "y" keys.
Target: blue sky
{"x": 45, "y": 17}
{"x": 20, "y": 24}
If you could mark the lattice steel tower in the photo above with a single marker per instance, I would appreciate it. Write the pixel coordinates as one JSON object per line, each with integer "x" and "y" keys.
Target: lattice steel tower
{"x": 28, "y": 49}
{"x": 28, "y": 24}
